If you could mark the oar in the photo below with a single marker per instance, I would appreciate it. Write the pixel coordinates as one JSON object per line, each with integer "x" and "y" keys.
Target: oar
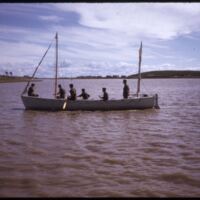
{"x": 156, "y": 106}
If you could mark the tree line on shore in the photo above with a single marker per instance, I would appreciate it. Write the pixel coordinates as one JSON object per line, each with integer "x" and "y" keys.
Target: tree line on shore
{"x": 8, "y": 74}
{"x": 9, "y": 77}
{"x": 154, "y": 74}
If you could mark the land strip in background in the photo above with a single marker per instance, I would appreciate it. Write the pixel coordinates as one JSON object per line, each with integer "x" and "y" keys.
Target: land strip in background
{"x": 144, "y": 75}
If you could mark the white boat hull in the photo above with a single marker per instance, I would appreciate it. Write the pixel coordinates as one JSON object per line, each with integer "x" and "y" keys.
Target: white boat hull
{"x": 118, "y": 104}
{"x": 36, "y": 103}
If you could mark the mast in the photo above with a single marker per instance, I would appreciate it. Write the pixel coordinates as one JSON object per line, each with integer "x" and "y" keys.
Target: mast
{"x": 139, "y": 70}
{"x": 56, "y": 74}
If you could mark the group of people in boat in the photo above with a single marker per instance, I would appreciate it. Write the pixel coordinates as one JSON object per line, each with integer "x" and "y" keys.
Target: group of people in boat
{"x": 73, "y": 96}
{"x": 72, "y": 91}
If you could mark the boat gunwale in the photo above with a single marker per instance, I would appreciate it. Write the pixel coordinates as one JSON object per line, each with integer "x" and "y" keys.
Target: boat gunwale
{"x": 89, "y": 100}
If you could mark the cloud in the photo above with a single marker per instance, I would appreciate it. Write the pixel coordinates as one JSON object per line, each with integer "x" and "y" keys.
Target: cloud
{"x": 151, "y": 20}
{"x": 103, "y": 39}
{"x": 51, "y": 18}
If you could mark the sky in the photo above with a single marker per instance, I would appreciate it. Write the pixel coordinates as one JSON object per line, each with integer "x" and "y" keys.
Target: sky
{"x": 98, "y": 39}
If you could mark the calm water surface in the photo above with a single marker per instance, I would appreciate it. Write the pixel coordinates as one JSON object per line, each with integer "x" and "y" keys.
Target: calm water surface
{"x": 146, "y": 153}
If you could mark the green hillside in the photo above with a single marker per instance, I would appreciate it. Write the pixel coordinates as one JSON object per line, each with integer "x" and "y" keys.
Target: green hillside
{"x": 168, "y": 74}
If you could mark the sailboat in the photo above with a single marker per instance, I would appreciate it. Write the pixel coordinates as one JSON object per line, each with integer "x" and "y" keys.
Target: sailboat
{"x": 38, "y": 103}
{"x": 137, "y": 101}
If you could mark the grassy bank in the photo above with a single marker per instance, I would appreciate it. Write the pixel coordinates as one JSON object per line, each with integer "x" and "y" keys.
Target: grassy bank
{"x": 12, "y": 79}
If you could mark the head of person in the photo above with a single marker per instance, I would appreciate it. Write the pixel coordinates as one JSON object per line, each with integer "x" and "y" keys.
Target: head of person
{"x": 59, "y": 86}
{"x": 71, "y": 85}
{"x": 32, "y": 85}
{"x": 83, "y": 90}
{"x": 124, "y": 81}
{"x": 103, "y": 89}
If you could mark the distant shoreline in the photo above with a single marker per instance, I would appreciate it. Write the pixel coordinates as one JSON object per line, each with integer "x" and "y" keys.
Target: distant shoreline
{"x": 14, "y": 79}
{"x": 145, "y": 75}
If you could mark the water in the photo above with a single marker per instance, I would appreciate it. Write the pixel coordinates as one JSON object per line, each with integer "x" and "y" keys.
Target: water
{"x": 146, "y": 153}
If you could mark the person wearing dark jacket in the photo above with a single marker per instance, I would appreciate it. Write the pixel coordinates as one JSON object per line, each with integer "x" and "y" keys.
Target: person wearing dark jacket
{"x": 84, "y": 95}
{"x": 72, "y": 92}
{"x": 126, "y": 90}
{"x": 105, "y": 95}
{"x": 31, "y": 91}
{"x": 61, "y": 93}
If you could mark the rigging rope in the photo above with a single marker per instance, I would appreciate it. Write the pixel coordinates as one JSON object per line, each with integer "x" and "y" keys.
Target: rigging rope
{"x": 25, "y": 89}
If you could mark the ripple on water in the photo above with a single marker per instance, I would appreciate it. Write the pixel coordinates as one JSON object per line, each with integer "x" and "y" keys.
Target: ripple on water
{"x": 146, "y": 153}
{"x": 180, "y": 178}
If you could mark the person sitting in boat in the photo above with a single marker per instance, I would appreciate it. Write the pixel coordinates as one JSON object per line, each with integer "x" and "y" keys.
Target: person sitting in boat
{"x": 105, "y": 95}
{"x": 61, "y": 93}
{"x": 84, "y": 95}
{"x": 126, "y": 89}
{"x": 31, "y": 91}
{"x": 72, "y": 92}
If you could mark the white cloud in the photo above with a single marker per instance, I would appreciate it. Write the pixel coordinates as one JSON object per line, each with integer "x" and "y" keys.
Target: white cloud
{"x": 156, "y": 20}
{"x": 181, "y": 8}
{"x": 51, "y": 18}
{"x": 107, "y": 41}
